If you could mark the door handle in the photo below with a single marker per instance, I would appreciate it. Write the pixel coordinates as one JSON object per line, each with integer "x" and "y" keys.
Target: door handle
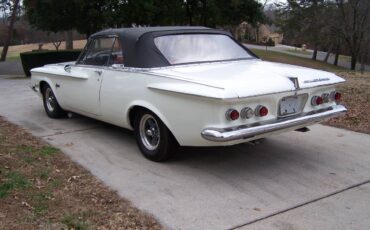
{"x": 99, "y": 72}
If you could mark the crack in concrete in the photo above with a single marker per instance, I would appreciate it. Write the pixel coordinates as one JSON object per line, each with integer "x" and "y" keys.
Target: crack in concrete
{"x": 300, "y": 205}
{"x": 73, "y": 131}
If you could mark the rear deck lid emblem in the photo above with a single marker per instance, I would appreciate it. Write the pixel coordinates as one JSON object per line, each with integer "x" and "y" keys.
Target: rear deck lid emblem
{"x": 295, "y": 82}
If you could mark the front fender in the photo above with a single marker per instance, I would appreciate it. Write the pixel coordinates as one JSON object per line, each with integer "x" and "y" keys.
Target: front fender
{"x": 37, "y": 78}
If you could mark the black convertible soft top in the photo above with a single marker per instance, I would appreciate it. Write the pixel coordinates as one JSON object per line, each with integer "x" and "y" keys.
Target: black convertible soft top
{"x": 138, "y": 45}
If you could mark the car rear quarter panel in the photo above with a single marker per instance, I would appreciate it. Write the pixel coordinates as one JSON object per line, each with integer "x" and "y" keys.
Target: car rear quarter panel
{"x": 184, "y": 114}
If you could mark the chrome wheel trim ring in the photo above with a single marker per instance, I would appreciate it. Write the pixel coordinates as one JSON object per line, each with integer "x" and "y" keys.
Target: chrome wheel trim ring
{"x": 149, "y": 132}
{"x": 50, "y": 100}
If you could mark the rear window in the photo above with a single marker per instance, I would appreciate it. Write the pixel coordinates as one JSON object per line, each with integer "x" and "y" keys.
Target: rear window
{"x": 192, "y": 48}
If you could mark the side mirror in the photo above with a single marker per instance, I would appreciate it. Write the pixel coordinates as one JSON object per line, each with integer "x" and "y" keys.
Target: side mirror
{"x": 67, "y": 68}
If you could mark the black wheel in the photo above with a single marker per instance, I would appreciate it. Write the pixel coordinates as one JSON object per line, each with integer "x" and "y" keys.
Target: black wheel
{"x": 51, "y": 104}
{"x": 154, "y": 139}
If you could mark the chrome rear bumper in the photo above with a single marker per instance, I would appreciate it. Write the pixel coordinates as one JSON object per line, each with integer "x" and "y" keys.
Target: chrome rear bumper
{"x": 245, "y": 132}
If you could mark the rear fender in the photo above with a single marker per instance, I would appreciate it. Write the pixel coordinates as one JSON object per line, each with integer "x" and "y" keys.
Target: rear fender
{"x": 149, "y": 106}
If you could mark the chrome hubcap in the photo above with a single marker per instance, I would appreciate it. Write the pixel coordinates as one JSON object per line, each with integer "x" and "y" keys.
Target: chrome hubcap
{"x": 149, "y": 132}
{"x": 50, "y": 99}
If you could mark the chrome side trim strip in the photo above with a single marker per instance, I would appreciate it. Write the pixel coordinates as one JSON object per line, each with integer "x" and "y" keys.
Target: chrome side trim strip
{"x": 243, "y": 132}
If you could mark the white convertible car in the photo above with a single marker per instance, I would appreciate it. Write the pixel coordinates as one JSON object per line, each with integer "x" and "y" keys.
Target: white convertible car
{"x": 185, "y": 86}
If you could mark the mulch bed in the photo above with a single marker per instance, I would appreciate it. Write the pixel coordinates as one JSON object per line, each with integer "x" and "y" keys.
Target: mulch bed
{"x": 356, "y": 97}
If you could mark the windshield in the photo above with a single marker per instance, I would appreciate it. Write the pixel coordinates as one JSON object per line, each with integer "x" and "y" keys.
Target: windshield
{"x": 190, "y": 48}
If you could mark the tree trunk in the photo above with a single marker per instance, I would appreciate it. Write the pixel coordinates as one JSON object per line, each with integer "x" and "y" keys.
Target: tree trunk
{"x": 69, "y": 40}
{"x": 353, "y": 61}
{"x": 328, "y": 54}
{"x": 363, "y": 61}
{"x": 189, "y": 12}
{"x": 337, "y": 49}
{"x": 257, "y": 33}
{"x": 10, "y": 31}
{"x": 314, "y": 55}
{"x": 56, "y": 44}
{"x": 204, "y": 15}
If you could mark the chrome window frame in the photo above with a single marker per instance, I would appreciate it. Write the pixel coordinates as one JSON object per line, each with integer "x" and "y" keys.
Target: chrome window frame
{"x": 85, "y": 50}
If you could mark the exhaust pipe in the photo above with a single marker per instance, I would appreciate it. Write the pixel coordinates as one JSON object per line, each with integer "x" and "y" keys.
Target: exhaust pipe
{"x": 303, "y": 130}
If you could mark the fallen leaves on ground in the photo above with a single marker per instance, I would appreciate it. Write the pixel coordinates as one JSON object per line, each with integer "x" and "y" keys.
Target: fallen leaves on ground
{"x": 356, "y": 97}
{"x": 41, "y": 188}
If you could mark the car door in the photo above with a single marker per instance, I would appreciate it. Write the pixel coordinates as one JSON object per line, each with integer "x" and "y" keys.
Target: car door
{"x": 81, "y": 90}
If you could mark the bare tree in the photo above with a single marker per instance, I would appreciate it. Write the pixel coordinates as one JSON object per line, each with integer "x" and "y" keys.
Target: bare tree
{"x": 69, "y": 40}
{"x": 365, "y": 51}
{"x": 337, "y": 52}
{"x": 354, "y": 15}
{"x": 56, "y": 39}
{"x": 302, "y": 22}
{"x": 258, "y": 24}
{"x": 10, "y": 30}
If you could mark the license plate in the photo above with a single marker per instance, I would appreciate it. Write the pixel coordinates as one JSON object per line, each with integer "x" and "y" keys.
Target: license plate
{"x": 292, "y": 104}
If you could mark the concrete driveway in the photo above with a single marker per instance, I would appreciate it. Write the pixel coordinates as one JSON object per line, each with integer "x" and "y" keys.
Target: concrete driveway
{"x": 11, "y": 68}
{"x": 314, "y": 180}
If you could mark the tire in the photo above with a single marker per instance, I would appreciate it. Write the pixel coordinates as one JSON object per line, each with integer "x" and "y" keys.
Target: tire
{"x": 51, "y": 105}
{"x": 154, "y": 139}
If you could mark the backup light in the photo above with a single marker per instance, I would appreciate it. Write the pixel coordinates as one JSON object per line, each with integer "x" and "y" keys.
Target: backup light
{"x": 325, "y": 97}
{"x": 246, "y": 113}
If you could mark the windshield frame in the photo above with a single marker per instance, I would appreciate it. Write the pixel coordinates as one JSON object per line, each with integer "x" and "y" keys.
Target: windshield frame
{"x": 252, "y": 55}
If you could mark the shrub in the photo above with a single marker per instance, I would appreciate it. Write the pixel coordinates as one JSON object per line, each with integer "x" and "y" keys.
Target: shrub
{"x": 35, "y": 59}
{"x": 270, "y": 42}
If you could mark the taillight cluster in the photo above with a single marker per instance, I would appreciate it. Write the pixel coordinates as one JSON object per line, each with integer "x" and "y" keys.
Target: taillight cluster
{"x": 232, "y": 114}
{"x": 246, "y": 113}
{"x": 325, "y": 98}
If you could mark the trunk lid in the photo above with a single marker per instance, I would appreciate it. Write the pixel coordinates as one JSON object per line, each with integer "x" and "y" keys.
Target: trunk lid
{"x": 252, "y": 77}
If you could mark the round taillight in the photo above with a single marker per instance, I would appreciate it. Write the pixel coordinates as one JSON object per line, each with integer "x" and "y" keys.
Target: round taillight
{"x": 232, "y": 114}
{"x": 246, "y": 113}
{"x": 261, "y": 111}
{"x": 317, "y": 100}
{"x": 337, "y": 96}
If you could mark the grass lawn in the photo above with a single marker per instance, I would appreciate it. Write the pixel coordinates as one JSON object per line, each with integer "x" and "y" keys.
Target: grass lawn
{"x": 355, "y": 92}
{"x": 14, "y": 51}
{"x": 294, "y": 60}
{"x": 41, "y": 188}
{"x": 13, "y": 58}
{"x": 298, "y": 51}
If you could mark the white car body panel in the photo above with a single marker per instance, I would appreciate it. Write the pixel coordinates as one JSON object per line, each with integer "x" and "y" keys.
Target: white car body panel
{"x": 252, "y": 77}
{"x": 186, "y": 98}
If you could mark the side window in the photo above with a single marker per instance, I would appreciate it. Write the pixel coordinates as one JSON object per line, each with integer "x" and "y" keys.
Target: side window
{"x": 117, "y": 55}
{"x": 98, "y": 51}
